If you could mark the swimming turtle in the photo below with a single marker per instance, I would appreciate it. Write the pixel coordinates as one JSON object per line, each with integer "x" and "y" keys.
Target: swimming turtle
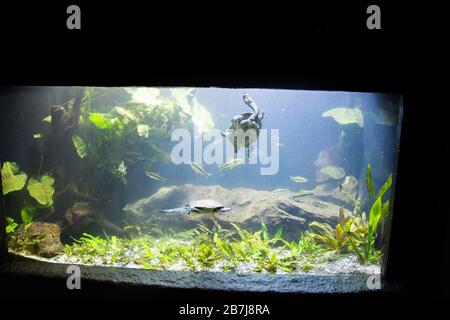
{"x": 200, "y": 206}
{"x": 249, "y": 124}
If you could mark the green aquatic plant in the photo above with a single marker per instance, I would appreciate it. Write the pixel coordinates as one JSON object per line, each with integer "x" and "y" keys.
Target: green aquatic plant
{"x": 378, "y": 212}
{"x": 12, "y": 178}
{"x": 202, "y": 249}
{"x": 305, "y": 244}
{"x": 41, "y": 189}
{"x": 333, "y": 238}
{"x": 333, "y": 172}
{"x": 11, "y": 225}
{"x": 346, "y": 115}
{"x": 80, "y": 146}
{"x": 356, "y": 233}
{"x": 362, "y": 233}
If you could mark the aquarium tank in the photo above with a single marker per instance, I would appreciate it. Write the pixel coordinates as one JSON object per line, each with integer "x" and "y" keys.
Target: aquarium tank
{"x": 241, "y": 180}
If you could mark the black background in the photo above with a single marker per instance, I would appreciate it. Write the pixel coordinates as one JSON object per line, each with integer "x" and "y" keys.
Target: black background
{"x": 284, "y": 45}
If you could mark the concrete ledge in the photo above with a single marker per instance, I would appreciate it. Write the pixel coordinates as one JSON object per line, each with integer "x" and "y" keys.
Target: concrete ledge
{"x": 214, "y": 281}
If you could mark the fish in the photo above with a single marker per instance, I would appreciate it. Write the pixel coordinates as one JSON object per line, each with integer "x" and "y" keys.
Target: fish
{"x": 198, "y": 169}
{"x": 302, "y": 194}
{"x": 231, "y": 164}
{"x": 298, "y": 179}
{"x": 280, "y": 190}
{"x": 155, "y": 176}
{"x": 319, "y": 204}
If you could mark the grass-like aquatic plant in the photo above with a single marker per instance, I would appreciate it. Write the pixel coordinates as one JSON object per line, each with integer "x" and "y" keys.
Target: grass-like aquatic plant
{"x": 202, "y": 249}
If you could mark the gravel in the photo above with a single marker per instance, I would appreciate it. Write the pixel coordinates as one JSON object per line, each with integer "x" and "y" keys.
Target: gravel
{"x": 344, "y": 264}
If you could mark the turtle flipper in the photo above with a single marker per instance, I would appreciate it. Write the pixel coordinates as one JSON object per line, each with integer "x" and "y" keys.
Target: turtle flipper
{"x": 176, "y": 210}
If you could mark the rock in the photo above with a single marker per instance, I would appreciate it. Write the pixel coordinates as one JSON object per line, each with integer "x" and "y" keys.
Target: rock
{"x": 39, "y": 238}
{"x": 330, "y": 157}
{"x": 250, "y": 207}
{"x": 330, "y": 191}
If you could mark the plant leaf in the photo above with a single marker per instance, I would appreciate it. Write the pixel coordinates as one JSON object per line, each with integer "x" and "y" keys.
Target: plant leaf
{"x": 11, "y": 225}
{"x": 100, "y": 121}
{"x": 369, "y": 183}
{"x": 47, "y": 119}
{"x": 26, "y": 214}
{"x": 41, "y": 188}
{"x": 125, "y": 113}
{"x": 385, "y": 210}
{"x": 278, "y": 233}
{"x": 80, "y": 146}
{"x": 12, "y": 178}
{"x": 346, "y": 115}
{"x": 375, "y": 215}
{"x": 385, "y": 187}
{"x": 265, "y": 231}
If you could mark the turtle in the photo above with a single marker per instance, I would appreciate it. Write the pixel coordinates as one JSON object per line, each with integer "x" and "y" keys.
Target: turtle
{"x": 200, "y": 206}
{"x": 245, "y": 121}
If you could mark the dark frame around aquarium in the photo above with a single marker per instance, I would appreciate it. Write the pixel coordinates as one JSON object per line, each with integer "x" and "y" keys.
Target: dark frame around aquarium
{"x": 294, "y": 284}
{"x": 401, "y": 263}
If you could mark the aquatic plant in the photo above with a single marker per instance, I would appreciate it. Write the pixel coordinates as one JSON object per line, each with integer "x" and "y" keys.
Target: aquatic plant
{"x": 356, "y": 233}
{"x": 333, "y": 172}
{"x": 204, "y": 249}
{"x": 12, "y": 178}
{"x": 378, "y": 212}
{"x": 11, "y": 225}
{"x": 346, "y": 115}
{"x": 333, "y": 238}
{"x": 40, "y": 189}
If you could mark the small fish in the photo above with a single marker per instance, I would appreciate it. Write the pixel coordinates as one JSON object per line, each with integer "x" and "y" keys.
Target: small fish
{"x": 155, "y": 176}
{"x": 199, "y": 169}
{"x": 319, "y": 204}
{"x": 298, "y": 179}
{"x": 231, "y": 164}
{"x": 280, "y": 190}
{"x": 302, "y": 194}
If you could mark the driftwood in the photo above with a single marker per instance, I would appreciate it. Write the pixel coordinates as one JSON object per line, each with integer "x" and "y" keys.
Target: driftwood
{"x": 61, "y": 154}
{"x": 81, "y": 217}
{"x": 76, "y": 210}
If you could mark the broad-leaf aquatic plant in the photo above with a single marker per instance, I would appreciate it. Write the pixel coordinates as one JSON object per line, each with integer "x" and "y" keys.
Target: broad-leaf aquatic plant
{"x": 40, "y": 189}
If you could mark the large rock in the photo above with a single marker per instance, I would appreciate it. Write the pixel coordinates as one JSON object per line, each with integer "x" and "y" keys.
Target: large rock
{"x": 40, "y": 238}
{"x": 250, "y": 207}
{"x": 338, "y": 192}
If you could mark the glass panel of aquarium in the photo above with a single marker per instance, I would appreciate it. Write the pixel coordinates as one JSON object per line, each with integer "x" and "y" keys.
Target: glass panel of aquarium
{"x": 265, "y": 181}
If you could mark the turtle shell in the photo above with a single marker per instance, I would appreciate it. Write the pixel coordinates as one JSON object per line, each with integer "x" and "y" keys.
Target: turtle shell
{"x": 207, "y": 204}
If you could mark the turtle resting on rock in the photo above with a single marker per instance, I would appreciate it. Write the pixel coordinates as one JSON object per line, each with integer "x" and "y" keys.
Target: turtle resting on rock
{"x": 244, "y": 127}
{"x": 200, "y": 206}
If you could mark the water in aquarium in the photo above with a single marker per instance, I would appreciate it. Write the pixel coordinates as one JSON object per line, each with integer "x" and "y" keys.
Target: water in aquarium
{"x": 200, "y": 179}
